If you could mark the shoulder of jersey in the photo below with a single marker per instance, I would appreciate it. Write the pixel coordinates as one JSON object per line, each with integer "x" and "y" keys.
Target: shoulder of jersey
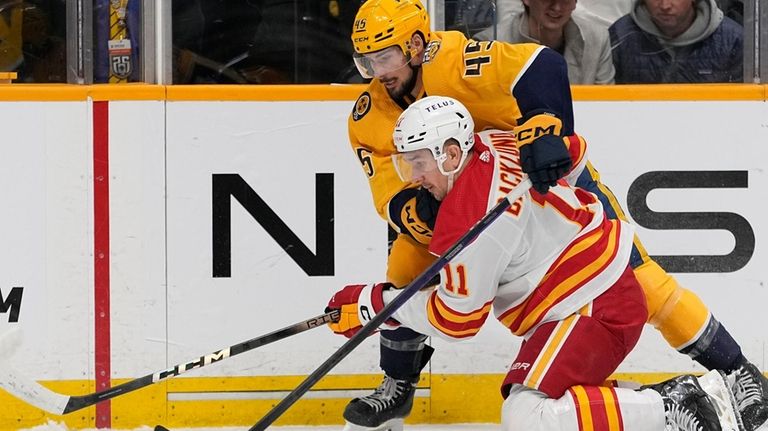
{"x": 362, "y": 106}
{"x": 375, "y": 98}
{"x": 431, "y": 51}
{"x": 445, "y": 40}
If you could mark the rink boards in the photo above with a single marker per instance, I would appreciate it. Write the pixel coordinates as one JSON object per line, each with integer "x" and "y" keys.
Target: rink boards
{"x": 145, "y": 226}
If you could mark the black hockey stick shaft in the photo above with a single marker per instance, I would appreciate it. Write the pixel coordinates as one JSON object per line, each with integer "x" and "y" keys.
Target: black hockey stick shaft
{"x": 386, "y": 312}
{"x": 79, "y": 402}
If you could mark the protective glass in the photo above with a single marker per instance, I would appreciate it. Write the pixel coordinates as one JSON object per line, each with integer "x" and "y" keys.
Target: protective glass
{"x": 374, "y": 64}
{"x": 413, "y": 165}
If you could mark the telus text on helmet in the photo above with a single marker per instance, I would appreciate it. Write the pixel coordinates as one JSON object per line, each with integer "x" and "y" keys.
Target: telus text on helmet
{"x": 439, "y": 105}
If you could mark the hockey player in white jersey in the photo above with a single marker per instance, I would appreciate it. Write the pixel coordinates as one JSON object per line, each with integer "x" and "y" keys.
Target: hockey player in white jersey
{"x": 553, "y": 269}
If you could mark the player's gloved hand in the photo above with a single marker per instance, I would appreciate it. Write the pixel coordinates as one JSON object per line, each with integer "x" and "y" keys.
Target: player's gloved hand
{"x": 544, "y": 154}
{"x": 414, "y": 211}
{"x": 358, "y": 304}
{"x": 427, "y": 207}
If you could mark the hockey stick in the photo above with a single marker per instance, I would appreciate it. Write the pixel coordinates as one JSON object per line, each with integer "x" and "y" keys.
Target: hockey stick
{"x": 390, "y": 308}
{"x": 56, "y": 403}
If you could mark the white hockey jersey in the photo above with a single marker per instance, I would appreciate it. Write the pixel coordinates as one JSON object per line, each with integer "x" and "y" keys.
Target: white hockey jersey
{"x": 544, "y": 259}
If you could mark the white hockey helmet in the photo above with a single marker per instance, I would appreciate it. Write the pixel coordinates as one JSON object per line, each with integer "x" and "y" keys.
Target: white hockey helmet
{"x": 425, "y": 127}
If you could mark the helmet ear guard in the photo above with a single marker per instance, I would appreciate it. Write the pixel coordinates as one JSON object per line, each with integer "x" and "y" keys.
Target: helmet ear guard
{"x": 428, "y": 123}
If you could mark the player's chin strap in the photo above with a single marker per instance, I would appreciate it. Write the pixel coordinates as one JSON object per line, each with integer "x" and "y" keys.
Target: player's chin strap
{"x": 26, "y": 389}
{"x": 451, "y": 179}
{"x": 451, "y": 174}
{"x": 385, "y": 313}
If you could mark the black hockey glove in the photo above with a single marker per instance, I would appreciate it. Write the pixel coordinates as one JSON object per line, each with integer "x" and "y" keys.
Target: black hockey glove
{"x": 544, "y": 154}
{"x": 427, "y": 207}
{"x": 414, "y": 211}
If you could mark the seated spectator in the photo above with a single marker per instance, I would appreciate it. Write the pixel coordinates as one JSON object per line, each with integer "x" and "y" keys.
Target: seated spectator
{"x": 680, "y": 41}
{"x": 577, "y": 34}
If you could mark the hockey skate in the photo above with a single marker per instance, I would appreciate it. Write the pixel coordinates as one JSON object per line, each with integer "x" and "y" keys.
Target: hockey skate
{"x": 383, "y": 410}
{"x": 689, "y": 408}
{"x": 723, "y": 399}
{"x": 750, "y": 388}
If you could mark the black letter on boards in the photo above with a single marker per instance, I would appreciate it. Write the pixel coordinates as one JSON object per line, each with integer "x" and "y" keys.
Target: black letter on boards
{"x": 232, "y": 185}
{"x": 737, "y": 225}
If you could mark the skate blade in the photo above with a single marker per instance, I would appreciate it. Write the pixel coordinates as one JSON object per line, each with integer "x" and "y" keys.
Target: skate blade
{"x": 390, "y": 425}
{"x": 723, "y": 401}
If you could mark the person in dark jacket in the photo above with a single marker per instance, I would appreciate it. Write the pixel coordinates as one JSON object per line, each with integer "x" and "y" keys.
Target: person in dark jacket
{"x": 679, "y": 41}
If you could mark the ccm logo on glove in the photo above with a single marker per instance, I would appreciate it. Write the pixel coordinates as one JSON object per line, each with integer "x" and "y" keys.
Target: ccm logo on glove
{"x": 544, "y": 153}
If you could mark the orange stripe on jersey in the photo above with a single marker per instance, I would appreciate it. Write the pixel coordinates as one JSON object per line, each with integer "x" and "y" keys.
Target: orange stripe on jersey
{"x": 612, "y": 410}
{"x": 597, "y": 408}
{"x": 585, "y": 242}
{"x": 454, "y": 323}
{"x": 549, "y": 351}
{"x": 583, "y": 412}
{"x": 579, "y": 246}
{"x": 566, "y": 276}
{"x": 577, "y": 147}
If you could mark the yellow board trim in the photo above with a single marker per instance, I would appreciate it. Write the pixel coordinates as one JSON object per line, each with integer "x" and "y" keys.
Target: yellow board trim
{"x": 446, "y": 403}
{"x": 661, "y": 92}
{"x": 350, "y": 92}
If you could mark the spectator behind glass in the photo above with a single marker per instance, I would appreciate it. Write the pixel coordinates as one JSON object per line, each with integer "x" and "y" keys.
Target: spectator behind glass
{"x": 682, "y": 41}
{"x": 578, "y": 35}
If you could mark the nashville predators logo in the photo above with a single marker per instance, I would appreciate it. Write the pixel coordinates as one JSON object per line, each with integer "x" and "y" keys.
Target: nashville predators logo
{"x": 362, "y": 106}
{"x": 417, "y": 228}
{"x": 431, "y": 52}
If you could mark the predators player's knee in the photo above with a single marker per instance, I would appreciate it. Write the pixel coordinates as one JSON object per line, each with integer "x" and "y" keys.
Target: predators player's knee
{"x": 407, "y": 259}
{"x": 660, "y": 288}
{"x": 675, "y": 311}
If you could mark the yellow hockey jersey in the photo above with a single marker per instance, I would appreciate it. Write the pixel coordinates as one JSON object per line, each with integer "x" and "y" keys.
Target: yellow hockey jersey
{"x": 498, "y": 82}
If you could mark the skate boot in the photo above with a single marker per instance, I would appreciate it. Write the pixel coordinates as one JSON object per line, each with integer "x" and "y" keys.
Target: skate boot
{"x": 383, "y": 410}
{"x": 750, "y": 388}
{"x": 687, "y": 406}
{"x": 723, "y": 399}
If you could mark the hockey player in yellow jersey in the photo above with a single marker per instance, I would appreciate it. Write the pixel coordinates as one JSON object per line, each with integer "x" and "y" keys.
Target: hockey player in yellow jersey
{"x": 523, "y": 88}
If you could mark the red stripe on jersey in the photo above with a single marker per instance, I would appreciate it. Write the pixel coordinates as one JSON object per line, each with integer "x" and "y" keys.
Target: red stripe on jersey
{"x": 582, "y": 261}
{"x": 597, "y": 408}
{"x": 466, "y": 203}
{"x": 577, "y": 147}
{"x": 454, "y": 323}
{"x": 617, "y": 406}
{"x": 580, "y": 215}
